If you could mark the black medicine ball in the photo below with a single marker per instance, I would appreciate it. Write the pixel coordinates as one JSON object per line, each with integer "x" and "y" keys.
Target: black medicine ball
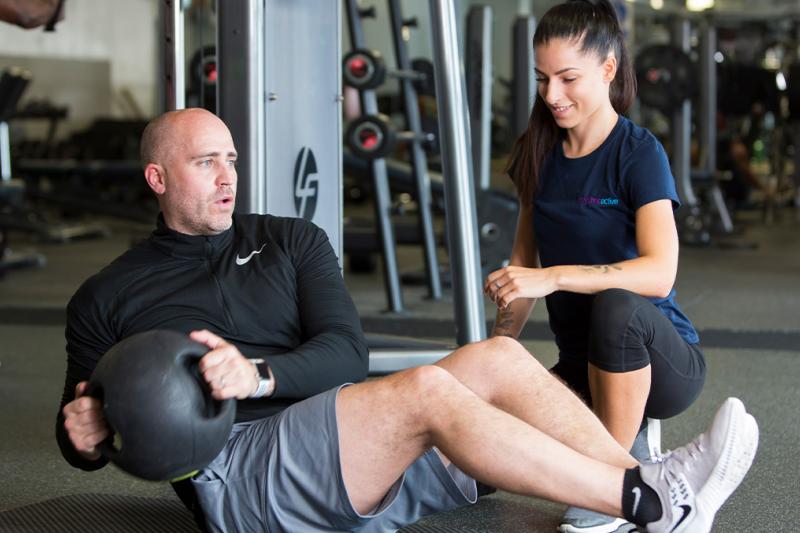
{"x": 155, "y": 400}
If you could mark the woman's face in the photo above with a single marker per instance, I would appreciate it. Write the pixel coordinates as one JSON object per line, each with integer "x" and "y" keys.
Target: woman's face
{"x": 573, "y": 84}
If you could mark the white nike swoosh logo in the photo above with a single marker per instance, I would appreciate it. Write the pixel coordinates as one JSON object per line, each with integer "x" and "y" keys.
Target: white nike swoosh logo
{"x": 637, "y": 495}
{"x": 242, "y": 260}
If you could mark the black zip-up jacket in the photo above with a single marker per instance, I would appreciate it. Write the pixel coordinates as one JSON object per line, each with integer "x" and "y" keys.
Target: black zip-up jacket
{"x": 270, "y": 285}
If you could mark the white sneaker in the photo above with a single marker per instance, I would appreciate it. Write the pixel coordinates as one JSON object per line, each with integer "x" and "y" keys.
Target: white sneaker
{"x": 694, "y": 481}
{"x": 577, "y": 520}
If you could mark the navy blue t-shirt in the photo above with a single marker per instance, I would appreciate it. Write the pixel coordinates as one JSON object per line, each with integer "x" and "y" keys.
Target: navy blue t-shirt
{"x": 585, "y": 214}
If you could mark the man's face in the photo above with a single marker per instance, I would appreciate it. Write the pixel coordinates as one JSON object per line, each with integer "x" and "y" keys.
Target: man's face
{"x": 199, "y": 176}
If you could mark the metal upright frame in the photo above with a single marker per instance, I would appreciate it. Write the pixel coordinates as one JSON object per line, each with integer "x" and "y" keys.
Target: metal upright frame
{"x": 174, "y": 42}
{"x": 462, "y": 227}
{"x": 419, "y": 161}
{"x": 708, "y": 119}
{"x": 479, "y": 90}
{"x": 380, "y": 178}
{"x": 5, "y": 153}
{"x": 524, "y": 81}
{"x": 682, "y": 126}
{"x": 240, "y": 96}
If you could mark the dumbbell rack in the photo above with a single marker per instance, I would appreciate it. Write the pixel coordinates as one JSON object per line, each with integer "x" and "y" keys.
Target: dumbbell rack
{"x": 419, "y": 160}
{"x": 369, "y": 106}
{"x": 459, "y": 187}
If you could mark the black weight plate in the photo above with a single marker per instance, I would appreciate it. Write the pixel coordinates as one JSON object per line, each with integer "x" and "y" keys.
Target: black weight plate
{"x": 665, "y": 76}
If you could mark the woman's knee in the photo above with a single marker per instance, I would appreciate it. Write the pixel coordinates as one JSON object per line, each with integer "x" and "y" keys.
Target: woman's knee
{"x": 612, "y": 307}
{"x": 619, "y": 331}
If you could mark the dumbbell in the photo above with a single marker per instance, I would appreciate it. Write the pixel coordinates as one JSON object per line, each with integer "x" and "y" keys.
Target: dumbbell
{"x": 374, "y": 136}
{"x": 366, "y": 69}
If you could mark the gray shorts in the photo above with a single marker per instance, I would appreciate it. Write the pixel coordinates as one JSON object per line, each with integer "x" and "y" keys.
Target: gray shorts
{"x": 283, "y": 473}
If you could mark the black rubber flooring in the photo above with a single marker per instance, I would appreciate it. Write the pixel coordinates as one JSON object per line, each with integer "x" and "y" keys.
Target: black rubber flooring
{"x": 99, "y": 513}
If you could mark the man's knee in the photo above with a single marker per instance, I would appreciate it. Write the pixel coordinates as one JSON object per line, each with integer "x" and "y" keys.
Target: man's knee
{"x": 426, "y": 385}
{"x": 513, "y": 354}
{"x": 500, "y": 348}
{"x": 498, "y": 362}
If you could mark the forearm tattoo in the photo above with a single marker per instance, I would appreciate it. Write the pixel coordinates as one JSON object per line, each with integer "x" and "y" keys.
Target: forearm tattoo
{"x": 600, "y": 269}
{"x": 504, "y": 323}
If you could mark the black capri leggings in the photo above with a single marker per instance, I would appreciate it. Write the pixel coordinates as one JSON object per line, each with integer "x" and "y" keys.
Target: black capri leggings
{"x": 628, "y": 332}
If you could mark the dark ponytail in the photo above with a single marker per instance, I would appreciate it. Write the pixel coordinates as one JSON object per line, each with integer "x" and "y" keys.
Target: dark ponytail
{"x": 595, "y": 25}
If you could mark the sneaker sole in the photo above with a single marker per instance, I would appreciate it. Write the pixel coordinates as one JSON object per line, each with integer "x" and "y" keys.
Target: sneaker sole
{"x": 738, "y": 453}
{"x": 611, "y": 527}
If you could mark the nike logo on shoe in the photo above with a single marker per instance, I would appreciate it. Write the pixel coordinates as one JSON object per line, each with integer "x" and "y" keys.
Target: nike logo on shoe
{"x": 637, "y": 495}
{"x": 243, "y": 260}
{"x": 687, "y": 509}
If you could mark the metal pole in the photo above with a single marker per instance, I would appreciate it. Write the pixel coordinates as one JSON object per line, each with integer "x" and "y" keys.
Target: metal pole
{"x": 708, "y": 118}
{"x": 524, "y": 79}
{"x": 5, "y": 153}
{"x": 708, "y": 97}
{"x": 479, "y": 90}
{"x": 419, "y": 161}
{"x": 174, "y": 65}
{"x": 380, "y": 180}
{"x": 240, "y": 95}
{"x": 462, "y": 227}
{"x": 682, "y": 126}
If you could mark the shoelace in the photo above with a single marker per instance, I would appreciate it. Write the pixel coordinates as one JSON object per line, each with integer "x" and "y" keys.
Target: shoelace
{"x": 680, "y": 460}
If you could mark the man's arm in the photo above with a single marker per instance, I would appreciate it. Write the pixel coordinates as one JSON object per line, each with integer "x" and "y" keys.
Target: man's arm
{"x": 335, "y": 350}
{"x": 86, "y": 343}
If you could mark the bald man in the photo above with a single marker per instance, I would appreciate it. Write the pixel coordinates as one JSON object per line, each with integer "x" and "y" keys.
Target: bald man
{"x": 311, "y": 452}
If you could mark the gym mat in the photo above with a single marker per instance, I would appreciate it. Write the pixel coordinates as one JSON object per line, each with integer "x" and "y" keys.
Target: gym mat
{"x": 422, "y": 528}
{"x": 99, "y": 513}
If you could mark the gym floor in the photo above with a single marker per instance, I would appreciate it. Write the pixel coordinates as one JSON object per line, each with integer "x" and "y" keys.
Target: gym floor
{"x": 745, "y": 303}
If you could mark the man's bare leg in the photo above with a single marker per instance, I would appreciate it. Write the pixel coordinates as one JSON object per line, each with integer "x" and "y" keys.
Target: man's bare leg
{"x": 500, "y": 371}
{"x": 384, "y": 425}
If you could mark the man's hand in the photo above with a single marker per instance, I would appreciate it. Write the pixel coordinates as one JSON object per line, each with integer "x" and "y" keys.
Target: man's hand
{"x": 85, "y": 423}
{"x": 509, "y": 283}
{"x": 225, "y": 369}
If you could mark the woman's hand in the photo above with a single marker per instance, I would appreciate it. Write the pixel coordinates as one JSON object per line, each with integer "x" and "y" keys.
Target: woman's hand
{"x": 509, "y": 283}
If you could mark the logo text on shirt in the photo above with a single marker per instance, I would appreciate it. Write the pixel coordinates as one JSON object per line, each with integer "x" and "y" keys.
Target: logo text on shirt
{"x": 591, "y": 200}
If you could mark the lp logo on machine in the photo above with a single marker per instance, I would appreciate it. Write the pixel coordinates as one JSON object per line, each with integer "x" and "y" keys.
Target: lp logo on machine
{"x": 306, "y": 185}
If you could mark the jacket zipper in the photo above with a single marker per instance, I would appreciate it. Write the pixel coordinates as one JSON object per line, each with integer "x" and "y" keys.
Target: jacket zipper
{"x": 220, "y": 294}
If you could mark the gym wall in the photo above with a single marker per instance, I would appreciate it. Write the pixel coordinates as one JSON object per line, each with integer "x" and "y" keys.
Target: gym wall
{"x": 118, "y": 33}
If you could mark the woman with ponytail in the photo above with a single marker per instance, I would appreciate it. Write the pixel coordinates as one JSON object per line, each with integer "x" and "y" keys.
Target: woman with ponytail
{"x": 596, "y": 238}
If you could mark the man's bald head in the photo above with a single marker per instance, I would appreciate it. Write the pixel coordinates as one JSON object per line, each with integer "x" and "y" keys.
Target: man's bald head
{"x": 190, "y": 164}
{"x": 163, "y": 133}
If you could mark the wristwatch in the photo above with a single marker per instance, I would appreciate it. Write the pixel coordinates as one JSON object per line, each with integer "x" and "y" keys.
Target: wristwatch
{"x": 264, "y": 381}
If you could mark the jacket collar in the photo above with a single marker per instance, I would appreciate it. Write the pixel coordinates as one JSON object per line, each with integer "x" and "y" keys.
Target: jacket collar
{"x": 176, "y": 244}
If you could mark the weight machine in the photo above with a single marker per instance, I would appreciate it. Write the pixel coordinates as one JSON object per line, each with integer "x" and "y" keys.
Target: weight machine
{"x": 668, "y": 80}
{"x": 272, "y": 75}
